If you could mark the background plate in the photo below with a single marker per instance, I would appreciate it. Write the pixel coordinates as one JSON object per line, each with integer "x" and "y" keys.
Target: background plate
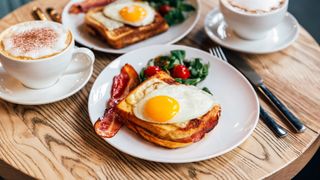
{"x": 174, "y": 34}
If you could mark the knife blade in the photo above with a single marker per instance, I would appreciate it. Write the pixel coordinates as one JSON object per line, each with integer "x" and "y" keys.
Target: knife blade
{"x": 257, "y": 81}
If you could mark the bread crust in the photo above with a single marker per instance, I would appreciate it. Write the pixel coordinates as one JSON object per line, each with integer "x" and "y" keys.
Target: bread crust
{"x": 126, "y": 35}
{"x": 168, "y": 135}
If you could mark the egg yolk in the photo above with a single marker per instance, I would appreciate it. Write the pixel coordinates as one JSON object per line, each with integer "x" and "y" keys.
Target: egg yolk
{"x": 133, "y": 13}
{"x": 161, "y": 108}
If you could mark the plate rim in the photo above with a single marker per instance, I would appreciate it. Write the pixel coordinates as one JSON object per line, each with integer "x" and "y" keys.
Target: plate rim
{"x": 122, "y": 51}
{"x": 218, "y": 40}
{"x": 256, "y": 118}
{"x": 54, "y": 99}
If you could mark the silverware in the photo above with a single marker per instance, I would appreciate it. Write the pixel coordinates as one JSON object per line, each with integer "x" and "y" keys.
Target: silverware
{"x": 257, "y": 81}
{"x": 38, "y": 13}
{"x": 270, "y": 122}
{"x": 54, "y": 15}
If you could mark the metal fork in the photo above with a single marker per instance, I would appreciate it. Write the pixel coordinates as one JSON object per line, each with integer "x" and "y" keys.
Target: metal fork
{"x": 270, "y": 122}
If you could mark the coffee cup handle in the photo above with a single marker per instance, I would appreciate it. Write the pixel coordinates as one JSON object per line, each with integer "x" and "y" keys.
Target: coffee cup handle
{"x": 83, "y": 57}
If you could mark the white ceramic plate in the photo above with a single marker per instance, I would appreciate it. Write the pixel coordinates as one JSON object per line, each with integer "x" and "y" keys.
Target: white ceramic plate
{"x": 13, "y": 91}
{"x": 174, "y": 34}
{"x": 278, "y": 38}
{"x": 238, "y": 100}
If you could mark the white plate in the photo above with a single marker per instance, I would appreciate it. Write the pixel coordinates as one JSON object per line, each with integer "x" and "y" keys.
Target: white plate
{"x": 279, "y": 37}
{"x": 13, "y": 91}
{"x": 238, "y": 100}
{"x": 174, "y": 34}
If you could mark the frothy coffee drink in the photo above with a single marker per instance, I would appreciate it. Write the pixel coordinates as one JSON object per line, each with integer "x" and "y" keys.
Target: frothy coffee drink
{"x": 34, "y": 40}
{"x": 255, "y": 6}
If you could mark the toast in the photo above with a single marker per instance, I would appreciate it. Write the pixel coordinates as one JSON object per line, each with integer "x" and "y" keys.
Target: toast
{"x": 167, "y": 135}
{"x": 124, "y": 35}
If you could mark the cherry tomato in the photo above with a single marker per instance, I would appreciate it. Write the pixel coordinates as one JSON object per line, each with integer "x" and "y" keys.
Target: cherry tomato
{"x": 164, "y": 9}
{"x": 181, "y": 71}
{"x": 151, "y": 70}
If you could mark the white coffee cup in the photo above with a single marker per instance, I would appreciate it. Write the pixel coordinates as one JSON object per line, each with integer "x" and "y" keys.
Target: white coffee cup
{"x": 45, "y": 72}
{"x": 252, "y": 26}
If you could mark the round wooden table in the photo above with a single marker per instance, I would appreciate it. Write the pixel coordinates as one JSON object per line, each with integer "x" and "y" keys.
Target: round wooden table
{"x": 57, "y": 141}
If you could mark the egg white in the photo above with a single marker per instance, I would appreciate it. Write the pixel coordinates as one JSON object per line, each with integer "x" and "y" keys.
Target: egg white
{"x": 113, "y": 9}
{"x": 193, "y": 103}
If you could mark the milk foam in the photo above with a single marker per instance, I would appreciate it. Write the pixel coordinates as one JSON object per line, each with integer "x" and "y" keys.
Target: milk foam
{"x": 35, "y": 39}
{"x": 256, "y": 6}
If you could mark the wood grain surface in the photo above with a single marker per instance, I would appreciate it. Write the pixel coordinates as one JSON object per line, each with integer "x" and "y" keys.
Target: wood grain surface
{"x": 57, "y": 141}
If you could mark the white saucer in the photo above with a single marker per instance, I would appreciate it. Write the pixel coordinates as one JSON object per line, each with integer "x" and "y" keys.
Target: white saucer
{"x": 13, "y": 91}
{"x": 279, "y": 37}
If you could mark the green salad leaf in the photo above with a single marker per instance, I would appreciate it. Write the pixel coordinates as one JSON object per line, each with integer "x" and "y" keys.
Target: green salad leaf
{"x": 180, "y": 55}
{"x": 207, "y": 90}
{"x": 198, "y": 70}
{"x": 178, "y": 12}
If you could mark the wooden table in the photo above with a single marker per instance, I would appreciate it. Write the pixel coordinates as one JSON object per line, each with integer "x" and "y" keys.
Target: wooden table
{"x": 57, "y": 141}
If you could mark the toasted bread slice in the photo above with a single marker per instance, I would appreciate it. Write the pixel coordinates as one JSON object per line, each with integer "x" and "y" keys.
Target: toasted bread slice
{"x": 166, "y": 135}
{"x": 125, "y": 35}
{"x": 154, "y": 139}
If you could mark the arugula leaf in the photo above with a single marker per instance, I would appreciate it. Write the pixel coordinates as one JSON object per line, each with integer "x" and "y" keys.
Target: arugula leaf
{"x": 179, "y": 80}
{"x": 175, "y": 16}
{"x": 173, "y": 61}
{"x": 199, "y": 71}
{"x": 179, "y": 54}
{"x": 141, "y": 75}
{"x": 205, "y": 71}
{"x": 186, "y": 7}
{"x": 207, "y": 90}
{"x": 178, "y": 12}
{"x": 193, "y": 82}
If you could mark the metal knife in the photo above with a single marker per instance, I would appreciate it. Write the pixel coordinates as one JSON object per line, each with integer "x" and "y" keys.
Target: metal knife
{"x": 257, "y": 81}
{"x": 275, "y": 127}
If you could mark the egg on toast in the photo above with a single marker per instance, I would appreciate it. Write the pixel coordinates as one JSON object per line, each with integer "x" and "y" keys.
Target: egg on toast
{"x": 160, "y": 126}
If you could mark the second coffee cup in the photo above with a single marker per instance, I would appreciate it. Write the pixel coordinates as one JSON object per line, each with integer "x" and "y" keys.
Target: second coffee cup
{"x": 253, "y": 19}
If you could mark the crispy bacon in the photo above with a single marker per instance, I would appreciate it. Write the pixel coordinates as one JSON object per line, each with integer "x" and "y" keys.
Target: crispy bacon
{"x": 119, "y": 87}
{"x": 110, "y": 123}
{"x": 200, "y": 134}
{"x": 85, "y": 5}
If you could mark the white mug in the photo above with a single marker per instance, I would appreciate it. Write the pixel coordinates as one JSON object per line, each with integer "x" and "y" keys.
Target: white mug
{"x": 43, "y": 73}
{"x": 252, "y": 26}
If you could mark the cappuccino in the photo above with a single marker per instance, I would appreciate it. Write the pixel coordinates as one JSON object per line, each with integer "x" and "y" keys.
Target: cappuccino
{"x": 34, "y": 40}
{"x": 255, "y": 6}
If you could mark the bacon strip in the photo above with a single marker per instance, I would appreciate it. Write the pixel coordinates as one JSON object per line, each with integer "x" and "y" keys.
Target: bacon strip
{"x": 110, "y": 123}
{"x": 85, "y": 5}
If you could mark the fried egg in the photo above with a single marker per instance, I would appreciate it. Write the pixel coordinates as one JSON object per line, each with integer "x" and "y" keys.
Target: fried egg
{"x": 130, "y": 12}
{"x": 174, "y": 104}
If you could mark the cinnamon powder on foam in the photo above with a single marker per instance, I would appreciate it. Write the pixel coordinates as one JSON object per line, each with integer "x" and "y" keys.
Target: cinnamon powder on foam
{"x": 35, "y": 39}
